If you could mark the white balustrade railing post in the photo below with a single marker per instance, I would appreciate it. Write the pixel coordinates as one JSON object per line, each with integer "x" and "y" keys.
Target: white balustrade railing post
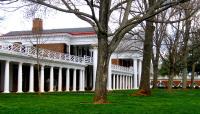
{"x": 84, "y": 59}
{"x": 60, "y": 56}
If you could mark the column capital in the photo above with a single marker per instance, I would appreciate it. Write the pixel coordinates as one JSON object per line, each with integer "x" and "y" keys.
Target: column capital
{"x": 31, "y": 64}
{"x": 42, "y": 65}
{"x": 93, "y": 47}
{"x": 7, "y": 60}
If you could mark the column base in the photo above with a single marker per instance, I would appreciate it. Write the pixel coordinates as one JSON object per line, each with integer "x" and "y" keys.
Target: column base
{"x": 19, "y": 92}
{"x": 109, "y": 89}
{"x": 6, "y": 92}
{"x": 31, "y": 91}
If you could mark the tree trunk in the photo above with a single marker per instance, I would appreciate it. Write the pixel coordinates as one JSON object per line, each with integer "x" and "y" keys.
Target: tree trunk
{"x": 170, "y": 80}
{"x": 192, "y": 77}
{"x": 102, "y": 71}
{"x": 147, "y": 54}
{"x": 144, "y": 89}
{"x": 155, "y": 68}
{"x": 103, "y": 54}
{"x": 185, "y": 48}
{"x": 185, "y": 72}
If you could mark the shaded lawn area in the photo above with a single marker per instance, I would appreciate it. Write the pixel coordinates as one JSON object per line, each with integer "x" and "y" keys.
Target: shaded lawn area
{"x": 161, "y": 102}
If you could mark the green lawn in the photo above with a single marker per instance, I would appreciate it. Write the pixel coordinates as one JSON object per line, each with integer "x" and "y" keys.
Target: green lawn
{"x": 161, "y": 102}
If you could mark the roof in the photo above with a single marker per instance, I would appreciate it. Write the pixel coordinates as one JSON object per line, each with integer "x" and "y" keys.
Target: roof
{"x": 72, "y": 31}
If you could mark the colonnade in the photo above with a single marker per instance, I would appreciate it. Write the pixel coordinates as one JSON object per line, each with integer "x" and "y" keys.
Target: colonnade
{"x": 42, "y": 80}
{"x": 120, "y": 82}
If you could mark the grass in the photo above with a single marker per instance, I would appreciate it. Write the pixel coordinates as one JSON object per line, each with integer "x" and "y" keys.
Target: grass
{"x": 161, "y": 102}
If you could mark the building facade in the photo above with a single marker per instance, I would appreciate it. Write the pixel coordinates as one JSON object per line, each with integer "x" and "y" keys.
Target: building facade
{"x": 60, "y": 60}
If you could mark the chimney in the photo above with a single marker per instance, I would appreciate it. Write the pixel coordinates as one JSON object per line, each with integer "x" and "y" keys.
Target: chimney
{"x": 37, "y": 25}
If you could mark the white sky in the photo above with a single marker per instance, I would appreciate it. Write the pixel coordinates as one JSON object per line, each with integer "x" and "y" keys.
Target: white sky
{"x": 16, "y": 21}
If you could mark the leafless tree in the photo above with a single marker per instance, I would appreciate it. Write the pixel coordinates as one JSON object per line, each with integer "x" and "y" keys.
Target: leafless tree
{"x": 99, "y": 14}
{"x": 160, "y": 34}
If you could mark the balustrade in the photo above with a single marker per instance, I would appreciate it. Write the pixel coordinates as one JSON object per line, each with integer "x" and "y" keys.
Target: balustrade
{"x": 122, "y": 69}
{"x": 43, "y": 53}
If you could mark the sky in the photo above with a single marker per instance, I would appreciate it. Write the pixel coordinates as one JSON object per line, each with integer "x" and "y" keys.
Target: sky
{"x": 16, "y": 21}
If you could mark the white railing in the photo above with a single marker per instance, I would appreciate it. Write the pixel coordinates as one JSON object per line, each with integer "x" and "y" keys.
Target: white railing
{"x": 122, "y": 69}
{"x": 31, "y": 51}
{"x": 176, "y": 78}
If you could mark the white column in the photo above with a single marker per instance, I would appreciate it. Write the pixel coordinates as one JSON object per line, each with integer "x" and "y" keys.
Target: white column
{"x": 122, "y": 81}
{"x": 60, "y": 79}
{"x": 69, "y": 46}
{"x": 95, "y": 52}
{"x": 140, "y": 71}
{"x": 67, "y": 79}
{"x": 135, "y": 73}
{"x": 42, "y": 79}
{"x": 83, "y": 77}
{"x": 114, "y": 75}
{"x": 126, "y": 82}
{"x": 117, "y": 82}
{"x": 120, "y": 87}
{"x": 80, "y": 80}
{"x": 109, "y": 81}
{"x": 74, "y": 80}
{"x": 19, "y": 88}
{"x": 6, "y": 77}
{"x": 131, "y": 82}
{"x": 31, "y": 80}
{"x": 51, "y": 79}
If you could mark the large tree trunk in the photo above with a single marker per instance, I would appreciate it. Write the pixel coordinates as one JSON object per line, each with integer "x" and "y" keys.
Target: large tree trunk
{"x": 147, "y": 54}
{"x": 103, "y": 54}
{"x": 102, "y": 71}
{"x": 192, "y": 77}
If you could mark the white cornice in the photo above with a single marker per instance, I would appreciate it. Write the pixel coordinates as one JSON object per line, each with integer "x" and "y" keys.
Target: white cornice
{"x": 46, "y": 35}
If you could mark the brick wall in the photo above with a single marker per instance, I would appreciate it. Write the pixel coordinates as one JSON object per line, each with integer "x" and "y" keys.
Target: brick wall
{"x": 115, "y": 61}
{"x": 126, "y": 63}
{"x": 54, "y": 47}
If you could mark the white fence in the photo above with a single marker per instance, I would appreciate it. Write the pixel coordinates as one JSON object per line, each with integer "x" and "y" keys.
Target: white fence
{"x": 30, "y": 51}
{"x": 122, "y": 69}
